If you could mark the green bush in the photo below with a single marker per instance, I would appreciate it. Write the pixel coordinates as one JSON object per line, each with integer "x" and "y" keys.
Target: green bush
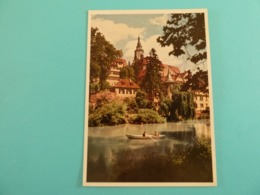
{"x": 146, "y": 116}
{"x": 109, "y": 114}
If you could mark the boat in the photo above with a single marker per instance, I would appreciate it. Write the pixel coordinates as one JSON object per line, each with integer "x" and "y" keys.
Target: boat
{"x": 147, "y": 136}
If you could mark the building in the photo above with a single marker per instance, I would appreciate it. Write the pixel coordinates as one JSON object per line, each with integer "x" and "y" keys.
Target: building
{"x": 125, "y": 88}
{"x": 114, "y": 72}
{"x": 202, "y": 104}
{"x": 139, "y": 52}
{"x": 170, "y": 75}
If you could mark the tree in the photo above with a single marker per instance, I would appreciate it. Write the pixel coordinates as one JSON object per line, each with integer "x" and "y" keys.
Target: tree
{"x": 152, "y": 81}
{"x": 196, "y": 82}
{"x": 140, "y": 99}
{"x": 165, "y": 106}
{"x": 112, "y": 113}
{"x": 182, "y": 106}
{"x": 102, "y": 54}
{"x": 127, "y": 72}
{"x": 184, "y": 31}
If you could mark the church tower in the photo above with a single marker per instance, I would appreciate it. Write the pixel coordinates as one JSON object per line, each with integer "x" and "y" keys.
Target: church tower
{"x": 139, "y": 52}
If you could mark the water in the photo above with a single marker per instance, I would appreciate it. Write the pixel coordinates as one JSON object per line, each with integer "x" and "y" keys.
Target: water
{"x": 106, "y": 143}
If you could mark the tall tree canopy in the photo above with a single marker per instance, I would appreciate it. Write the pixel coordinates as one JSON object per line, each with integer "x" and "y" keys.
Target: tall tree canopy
{"x": 183, "y": 32}
{"x": 152, "y": 80}
{"x": 102, "y": 54}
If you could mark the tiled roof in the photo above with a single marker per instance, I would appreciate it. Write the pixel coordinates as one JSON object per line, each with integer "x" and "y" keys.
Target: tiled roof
{"x": 173, "y": 69}
{"x": 175, "y": 72}
{"x": 126, "y": 83}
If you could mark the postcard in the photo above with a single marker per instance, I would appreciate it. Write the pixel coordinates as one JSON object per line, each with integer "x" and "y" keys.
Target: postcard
{"x": 149, "y": 110}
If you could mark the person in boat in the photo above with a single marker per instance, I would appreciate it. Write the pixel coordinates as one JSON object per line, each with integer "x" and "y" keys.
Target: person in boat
{"x": 156, "y": 134}
{"x": 144, "y": 133}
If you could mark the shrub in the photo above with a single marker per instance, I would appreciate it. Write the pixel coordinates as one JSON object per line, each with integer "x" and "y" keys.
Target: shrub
{"x": 146, "y": 116}
{"x": 109, "y": 114}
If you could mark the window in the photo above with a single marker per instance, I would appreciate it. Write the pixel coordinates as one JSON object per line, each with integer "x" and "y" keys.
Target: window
{"x": 201, "y": 98}
{"x": 121, "y": 91}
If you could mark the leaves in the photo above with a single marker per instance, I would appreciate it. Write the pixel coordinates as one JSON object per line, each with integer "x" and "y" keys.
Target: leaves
{"x": 152, "y": 80}
{"x": 102, "y": 54}
{"x": 127, "y": 72}
{"x": 108, "y": 114}
{"x": 184, "y": 31}
{"x": 182, "y": 106}
{"x": 196, "y": 82}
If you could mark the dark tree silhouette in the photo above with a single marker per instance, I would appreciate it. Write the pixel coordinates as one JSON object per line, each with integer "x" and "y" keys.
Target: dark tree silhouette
{"x": 183, "y": 31}
{"x": 152, "y": 80}
{"x": 196, "y": 82}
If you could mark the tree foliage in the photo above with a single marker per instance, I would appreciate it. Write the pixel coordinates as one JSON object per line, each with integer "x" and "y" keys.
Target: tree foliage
{"x": 165, "y": 107}
{"x": 183, "y": 31}
{"x": 127, "y": 72}
{"x": 182, "y": 106}
{"x": 196, "y": 82}
{"x": 112, "y": 113}
{"x": 141, "y": 99}
{"x": 152, "y": 80}
{"x": 102, "y": 54}
{"x": 146, "y": 116}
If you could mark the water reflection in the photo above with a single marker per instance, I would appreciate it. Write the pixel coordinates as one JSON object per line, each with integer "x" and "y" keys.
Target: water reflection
{"x": 105, "y": 143}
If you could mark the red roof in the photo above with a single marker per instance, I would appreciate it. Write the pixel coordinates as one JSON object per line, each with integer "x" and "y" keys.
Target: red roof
{"x": 174, "y": 70}
{"x": 126, "y": 83}
{"x": 142, "y": 73}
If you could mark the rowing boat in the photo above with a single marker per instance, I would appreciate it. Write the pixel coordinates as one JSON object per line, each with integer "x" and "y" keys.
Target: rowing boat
{"x": 147, "y": 136}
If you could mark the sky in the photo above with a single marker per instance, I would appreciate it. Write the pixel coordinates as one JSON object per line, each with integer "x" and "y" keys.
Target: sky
{"x": 122, "y": 30}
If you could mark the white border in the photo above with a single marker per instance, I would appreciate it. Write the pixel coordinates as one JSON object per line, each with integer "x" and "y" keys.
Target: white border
{"x": 150, "y": 184}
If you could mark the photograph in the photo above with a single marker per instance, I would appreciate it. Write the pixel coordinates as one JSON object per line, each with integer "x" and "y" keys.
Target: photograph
{"x": 149, "y": 106}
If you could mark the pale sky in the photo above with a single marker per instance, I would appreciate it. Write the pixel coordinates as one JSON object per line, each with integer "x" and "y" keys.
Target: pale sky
{"x": 122, "y": 30}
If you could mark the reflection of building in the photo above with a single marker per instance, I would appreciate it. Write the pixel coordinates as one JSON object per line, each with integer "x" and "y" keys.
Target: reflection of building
{"x": 126, "y": 88}
{"x": 114, "y": 71}
{"x": 201, "y": 104}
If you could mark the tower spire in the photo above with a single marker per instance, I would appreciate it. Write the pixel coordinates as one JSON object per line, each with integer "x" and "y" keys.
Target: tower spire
{"x": 169, "y": 77}
{"x": 138, "y": 46}
{"x": 139, "y": 52}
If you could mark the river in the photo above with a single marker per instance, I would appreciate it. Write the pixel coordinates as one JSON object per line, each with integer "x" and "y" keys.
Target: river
{"x": 104, "y": 143}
